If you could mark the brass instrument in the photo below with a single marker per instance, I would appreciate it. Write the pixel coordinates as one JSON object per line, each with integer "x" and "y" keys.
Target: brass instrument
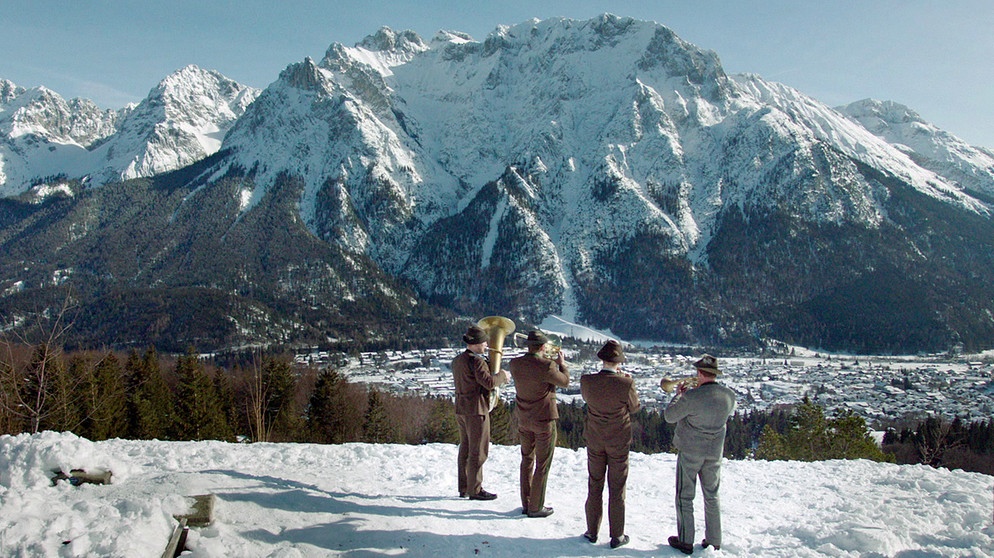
{"x": 497, "y": 328}
{"x": 669, "y": 386}
{"x": 552, "y": 347}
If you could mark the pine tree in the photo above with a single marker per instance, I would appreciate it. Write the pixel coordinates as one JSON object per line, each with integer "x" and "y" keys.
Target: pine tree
{"x": 502, "y": 430}
{"x": 65, "y": 412}
{"x": 226, "y": 398}
{"x": 106, "y": 414}
{"x": 326, "y": 413}
{"x": 771, "y": 445}
{"x": 376, "y": 428}
{"x": 813, "y": 437}
{"x": 198, "y": 415}
{"x": 150, "y": 401}
{"x": 281, "y": 412}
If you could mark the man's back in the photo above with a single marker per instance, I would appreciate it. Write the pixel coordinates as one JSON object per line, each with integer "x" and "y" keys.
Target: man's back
{"x": 700, "y": 415}
{"x": 535, "y": 382}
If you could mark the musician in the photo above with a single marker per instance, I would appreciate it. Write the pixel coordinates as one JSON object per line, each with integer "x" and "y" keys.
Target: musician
{"x": 535, "y": 382}
{"x": 611, "y": 398}
{"x": 700, "y": 415}
{"x": 473, "y": 380}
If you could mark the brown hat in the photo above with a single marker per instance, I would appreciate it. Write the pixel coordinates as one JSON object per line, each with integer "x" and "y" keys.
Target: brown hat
{"x": 611, "y": 352}
{"x": 536, "y": 339}
{"x": 708, "y": 363}
{"x": 474, "y": 335}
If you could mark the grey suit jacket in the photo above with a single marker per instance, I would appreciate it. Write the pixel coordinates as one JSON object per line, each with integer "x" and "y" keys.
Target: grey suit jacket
{"x": 700, "y": 416}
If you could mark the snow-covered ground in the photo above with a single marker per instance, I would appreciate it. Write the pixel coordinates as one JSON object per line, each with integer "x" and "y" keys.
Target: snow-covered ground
{"x": 295, "y": 500}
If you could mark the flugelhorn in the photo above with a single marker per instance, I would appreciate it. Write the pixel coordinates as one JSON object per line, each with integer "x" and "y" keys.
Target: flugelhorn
{"x": 497, "y": 328}
{"x": 552, "y": 347}
{"x": 668, "y": 385}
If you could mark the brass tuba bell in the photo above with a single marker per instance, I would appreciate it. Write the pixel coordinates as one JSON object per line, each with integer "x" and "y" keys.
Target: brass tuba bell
{"x": 669, "y": 386}
{"x": 497, "y": 328}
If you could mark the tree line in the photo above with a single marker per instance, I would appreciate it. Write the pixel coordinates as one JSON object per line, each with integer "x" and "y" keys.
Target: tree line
{"x": 145, "y": 395}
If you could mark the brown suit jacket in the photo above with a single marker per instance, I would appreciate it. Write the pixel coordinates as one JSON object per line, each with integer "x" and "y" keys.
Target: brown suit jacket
{"x": 611, "y": 399}
{"x": 535, "y": 382}
{"x": 473, "y": 380}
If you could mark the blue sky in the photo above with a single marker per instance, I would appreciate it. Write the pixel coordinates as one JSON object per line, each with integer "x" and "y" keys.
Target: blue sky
{"x": 936, "y": 57}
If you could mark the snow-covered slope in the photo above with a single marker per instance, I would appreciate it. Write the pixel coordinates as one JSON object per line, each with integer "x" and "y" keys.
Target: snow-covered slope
{"x": 928, "y": 146}
{"x": 304, "y": 500}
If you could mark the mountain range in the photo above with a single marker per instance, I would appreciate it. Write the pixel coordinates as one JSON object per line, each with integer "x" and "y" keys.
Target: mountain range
{"x": 602, "y": 170}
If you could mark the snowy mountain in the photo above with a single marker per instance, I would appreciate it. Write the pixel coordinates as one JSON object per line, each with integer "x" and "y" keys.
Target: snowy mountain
{"x": 934, "y": 149}
{"x": 303, "y": 500}
{"x": 182, "y": 120}
{"x": 605, "y": 171}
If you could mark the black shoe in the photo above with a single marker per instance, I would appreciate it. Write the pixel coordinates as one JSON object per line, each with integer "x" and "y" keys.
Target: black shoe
{"x": 619, "y": 541}
{"x": 463, "y": 494}
{"x": 706, "y": 544}
{"x": 590, "y": 537}
{"x": 544, "y": 512}
{"x": 683, "y": 547}
{"x": 483, "y": 495}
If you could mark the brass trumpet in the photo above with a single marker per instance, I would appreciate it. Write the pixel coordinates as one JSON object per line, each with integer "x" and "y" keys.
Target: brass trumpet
{"x": 552, "y": 347}
{"x": 668, "y": 385}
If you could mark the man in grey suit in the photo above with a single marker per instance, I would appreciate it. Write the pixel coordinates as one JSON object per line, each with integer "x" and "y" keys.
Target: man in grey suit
{"x": 611, "y": 398}
{"x": 471, "y": 374}
{"x": 700, "y": 415}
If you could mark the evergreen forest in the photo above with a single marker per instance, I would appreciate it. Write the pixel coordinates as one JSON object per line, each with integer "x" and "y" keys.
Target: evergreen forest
{"x": 147, "y": 395}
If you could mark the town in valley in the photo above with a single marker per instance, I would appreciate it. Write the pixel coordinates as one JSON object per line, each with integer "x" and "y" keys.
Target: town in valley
{"x": 874, "y": 387}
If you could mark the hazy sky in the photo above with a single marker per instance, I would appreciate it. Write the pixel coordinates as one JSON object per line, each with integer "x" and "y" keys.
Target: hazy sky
{"x": 935, "y": 56}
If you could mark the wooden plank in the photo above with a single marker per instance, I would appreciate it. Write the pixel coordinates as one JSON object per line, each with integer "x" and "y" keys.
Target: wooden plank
{"x": 173, "y": 548}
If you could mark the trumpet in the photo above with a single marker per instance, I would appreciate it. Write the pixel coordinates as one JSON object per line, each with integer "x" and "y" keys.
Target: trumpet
{"x": 552, "y": 347}
{"x": 668, "y": 385}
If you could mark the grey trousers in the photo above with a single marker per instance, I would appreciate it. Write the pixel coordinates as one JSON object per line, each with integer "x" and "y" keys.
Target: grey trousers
{"x": 688, "y": 469}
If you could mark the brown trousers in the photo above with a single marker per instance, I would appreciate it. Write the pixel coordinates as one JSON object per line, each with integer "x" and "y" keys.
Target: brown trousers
{"x": 612, "y": 463}
{"x": 474, "y": 447}
{"x": 538, "y": 443}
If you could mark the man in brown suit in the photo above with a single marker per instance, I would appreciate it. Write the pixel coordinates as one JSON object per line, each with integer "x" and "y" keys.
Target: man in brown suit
{"x": 535, "y": 382}
{"x": 474, "y": 382}
{"x": 611, "y": 398}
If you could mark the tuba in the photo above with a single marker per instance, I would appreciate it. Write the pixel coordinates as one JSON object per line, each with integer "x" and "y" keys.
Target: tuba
{"x": 497, "y": 328}
{"x": 669, "y": 386}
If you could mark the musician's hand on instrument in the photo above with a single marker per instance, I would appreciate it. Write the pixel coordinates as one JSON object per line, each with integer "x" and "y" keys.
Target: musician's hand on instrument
{"x": 560, "y": 359}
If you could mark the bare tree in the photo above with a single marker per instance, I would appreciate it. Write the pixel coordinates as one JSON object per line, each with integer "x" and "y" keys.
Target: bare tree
{"x": 27, "y": 381}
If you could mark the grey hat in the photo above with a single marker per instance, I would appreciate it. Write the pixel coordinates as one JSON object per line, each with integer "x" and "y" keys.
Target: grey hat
{"x": 611, "y": 352}
{"x": 474, "y": 335}
{"x": 708, "y": 363}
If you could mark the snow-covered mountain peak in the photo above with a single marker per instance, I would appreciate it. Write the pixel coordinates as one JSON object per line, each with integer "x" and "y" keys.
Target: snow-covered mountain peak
{"x": 969, "y": 168}
{"x": 388, "y": 40}
{"x": 182, "y": 120}
{"x": 8, "y": 90}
